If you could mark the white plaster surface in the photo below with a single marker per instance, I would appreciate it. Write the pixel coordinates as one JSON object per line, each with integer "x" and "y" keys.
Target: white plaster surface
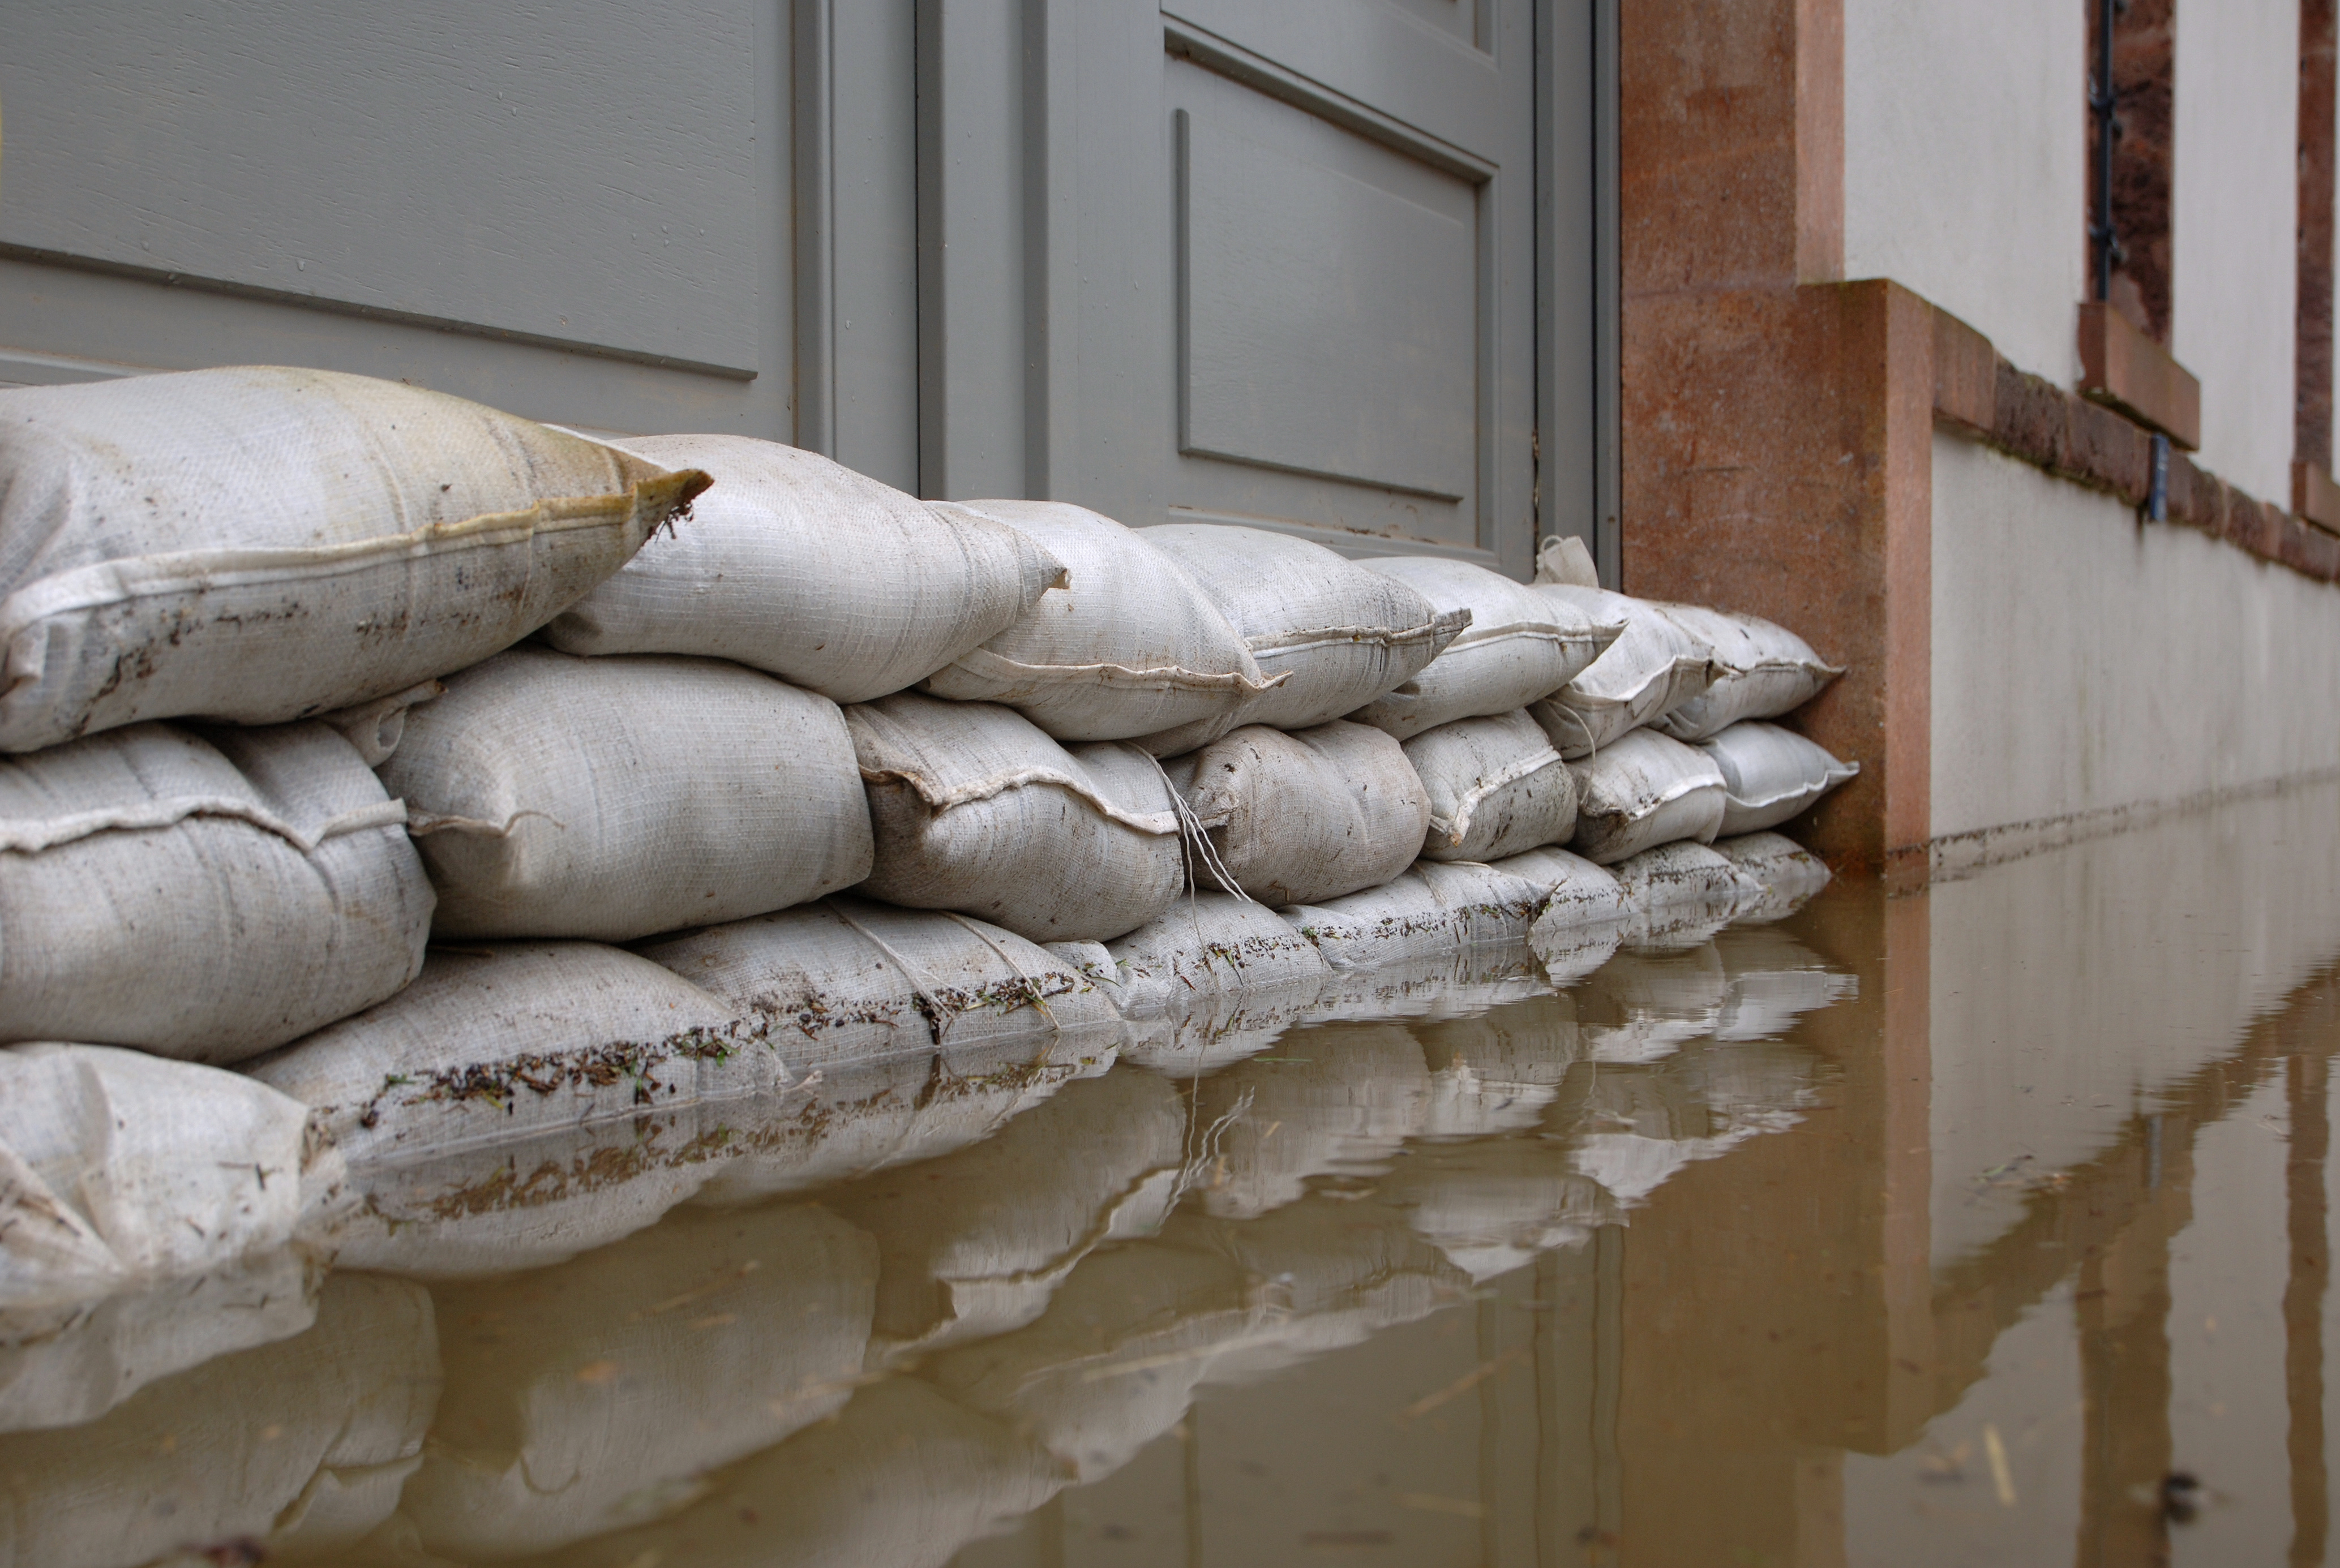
{"x": 2083, "y": 661}
{"x": 2235, "y": 201}
{"x": 1966, "y": 166}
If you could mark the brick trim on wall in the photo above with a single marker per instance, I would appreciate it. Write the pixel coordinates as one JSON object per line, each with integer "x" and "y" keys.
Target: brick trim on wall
{"x": 2029, "y": 418}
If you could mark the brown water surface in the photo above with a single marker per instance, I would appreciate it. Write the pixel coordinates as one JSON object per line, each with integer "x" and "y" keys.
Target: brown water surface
{"x": 1988, "y": 1224}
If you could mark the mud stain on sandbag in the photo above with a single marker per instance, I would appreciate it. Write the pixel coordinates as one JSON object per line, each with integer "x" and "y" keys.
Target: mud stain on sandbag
{"x": 597, "y": 1067}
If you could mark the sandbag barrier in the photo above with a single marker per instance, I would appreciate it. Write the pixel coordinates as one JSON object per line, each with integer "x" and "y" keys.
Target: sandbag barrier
{"x": 712, "y": 767}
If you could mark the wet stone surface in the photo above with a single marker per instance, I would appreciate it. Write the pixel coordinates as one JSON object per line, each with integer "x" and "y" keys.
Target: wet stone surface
{"x": 1988, "y": 1224}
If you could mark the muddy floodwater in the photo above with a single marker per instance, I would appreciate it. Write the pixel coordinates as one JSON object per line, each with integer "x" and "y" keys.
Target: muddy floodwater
{"x": 1987, "y": 1225}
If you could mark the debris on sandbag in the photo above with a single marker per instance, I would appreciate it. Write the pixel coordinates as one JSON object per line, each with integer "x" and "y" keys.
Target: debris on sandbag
{"x": 1680, "y": 894}
{"x": 849, "y": 981}
{"x": 1342, "y": 636}
{"x": 258, "y": 544}
{"x": 797, "y": 566}
{"x": 1519, "y": 646}
{"x": 976, "y": 809}
{"x": 611, "y": 799}
{"x": 206, "y": 894}
{"x": 1205, "y": 943}
{"x": 1128, "y": 646}
{"x": 1433, "y": 911}
{"x": 1770, "y": 774}
{"x": 120, "y": 1170}
{"x": 1496, "y": 788}
{"x": 1784, "y": 875}
{"x": 1644, "y": 791}
{"x": 1762, "y": 671}
{"x": 1303, "y": 816}
{"x": 1653, "y": 668}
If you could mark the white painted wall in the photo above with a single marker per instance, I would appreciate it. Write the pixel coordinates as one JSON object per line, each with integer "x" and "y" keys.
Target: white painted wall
{"x": 2233, "y": 266}
{"x": 1966, "y": 165}
{"x": 2083, "y": 661}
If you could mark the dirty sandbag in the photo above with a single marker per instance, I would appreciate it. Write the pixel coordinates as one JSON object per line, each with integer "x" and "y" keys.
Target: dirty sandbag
{"x": 1198, "y": 1035}
{"x": 1762, "y": 671}
{"x": 610, "y": 799}
{"x": 848, "y": 1122}
{"x": 1432, "y": 910}
{"x": 1493, "y": 1205}
{"x": 1303, "y": 816}
{"x": 594, "y": 1396}
{"x": 1206, "y": 943}
{"x": 902, "y": 1477}
{"x": 290, "y": 1451}
{"x": 1339, "y": 1101}
{"x": 974, "y": 1244}
{"x": 1653, "y": 668}
{"x": 257, "y": 544}
{"x": 1780, "y": 875}
{"x": 500, "y": 1041}
{"x": 1341, "y": 634}
{"x": 1680, "y": 894}
{"x": 1642, "y": 1007}
{"x": 205, "y": 894}
{"x": 1643, "y": 792}
{"x": 1520, "y": 647}
{"x": 1775, "y": 979}
{"x": 1496, "y": 788}
{"x": 1770, "y": 774}
{"x": 1130, "y": 645}
{"x": 977, "y": 809}
{"x": 797, "y": 566}
{"x": 64, "y": 1365}
{"x": 1575, "y": 891}
{"x": 849, "y": 982}
{"x": 119, "y": 1170}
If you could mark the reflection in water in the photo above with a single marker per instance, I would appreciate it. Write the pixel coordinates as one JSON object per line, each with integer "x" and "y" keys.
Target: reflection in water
{"x": 1985, "y": 1225}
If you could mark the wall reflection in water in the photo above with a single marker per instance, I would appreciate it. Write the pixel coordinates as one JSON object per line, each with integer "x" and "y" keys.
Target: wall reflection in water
{"x": 1988, "y": 1224}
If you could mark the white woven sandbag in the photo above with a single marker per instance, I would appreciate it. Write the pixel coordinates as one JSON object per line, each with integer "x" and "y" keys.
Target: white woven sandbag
{"x": 976, "y": 809}
{"x": 202, "y": 894}
{"x": 1520, "y": 647}
{"x": 1341, "y": 634}
{"x": 826, "y": 579}
{"x": 1782, "y": 875}
{"x": 1762, "y": 671}
{"x": 1206, "y": 943}
{"x": 1496, "y": 787}
{"x": 1302, "y": 818}
{"x": 1771, "y": 775}
{"x": 1654, "y": 666}
{"x": 1680, "y": 893}
{"x": 615, "y": 798}
{"x": 1574, "y": 889}
{"x": 1642, "y": 792}
{"x": 497, "y": 1042}
{"x": 1128, "y": 646}
{"x": 1429, "y": 911}
{"x": 288, "y": 1451}
{"x": 591, "y": 1397}
{"x": 845, "y": 981}
{"x": 260, "y": 544}
{"x": 120, "y": 1169}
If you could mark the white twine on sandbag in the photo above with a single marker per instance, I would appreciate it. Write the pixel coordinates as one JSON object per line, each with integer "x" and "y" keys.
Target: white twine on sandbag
{"x": 1031, "y": 986}
{"x": 910, "y": 972}
{"x": 1194, "y": 838}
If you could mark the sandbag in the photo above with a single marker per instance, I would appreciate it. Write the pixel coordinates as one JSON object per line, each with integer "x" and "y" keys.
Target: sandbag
{"x": 849, "y": 982}
{"x": 797, "y": 566}
{"x": 1654, "y": 666}
{"x": 290, "y": 1451}
{"x": 1304, "y": 817}
{"x": 258, "y": 544}
{"x": 1130, "y": 645}
{"x": 977, "y": 810}
{"x": 1520, "y": 647}
{"x": 1680, "y": 893}
{"x": 610, "y": 799}
{"x": 1771, "y": 775}
{"x": 1642, "y": 792}
{"x": 1496, "y": 788}
{"x": 1468, "y": 977}
{"x": 1206, "y": 942}
{"x": 120, "y": 1170}
{"x": 202, "y": 894}
{"x": 591, "y": 1397}
{"x": 1780, "y": 877}
{"x": 1341, "y": 634}
{"x": 500, "y": 1041}
{"x": 1428, "y": 911}
{"x": 1575, "y": 891}
{"x": 1762, "y": 671}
